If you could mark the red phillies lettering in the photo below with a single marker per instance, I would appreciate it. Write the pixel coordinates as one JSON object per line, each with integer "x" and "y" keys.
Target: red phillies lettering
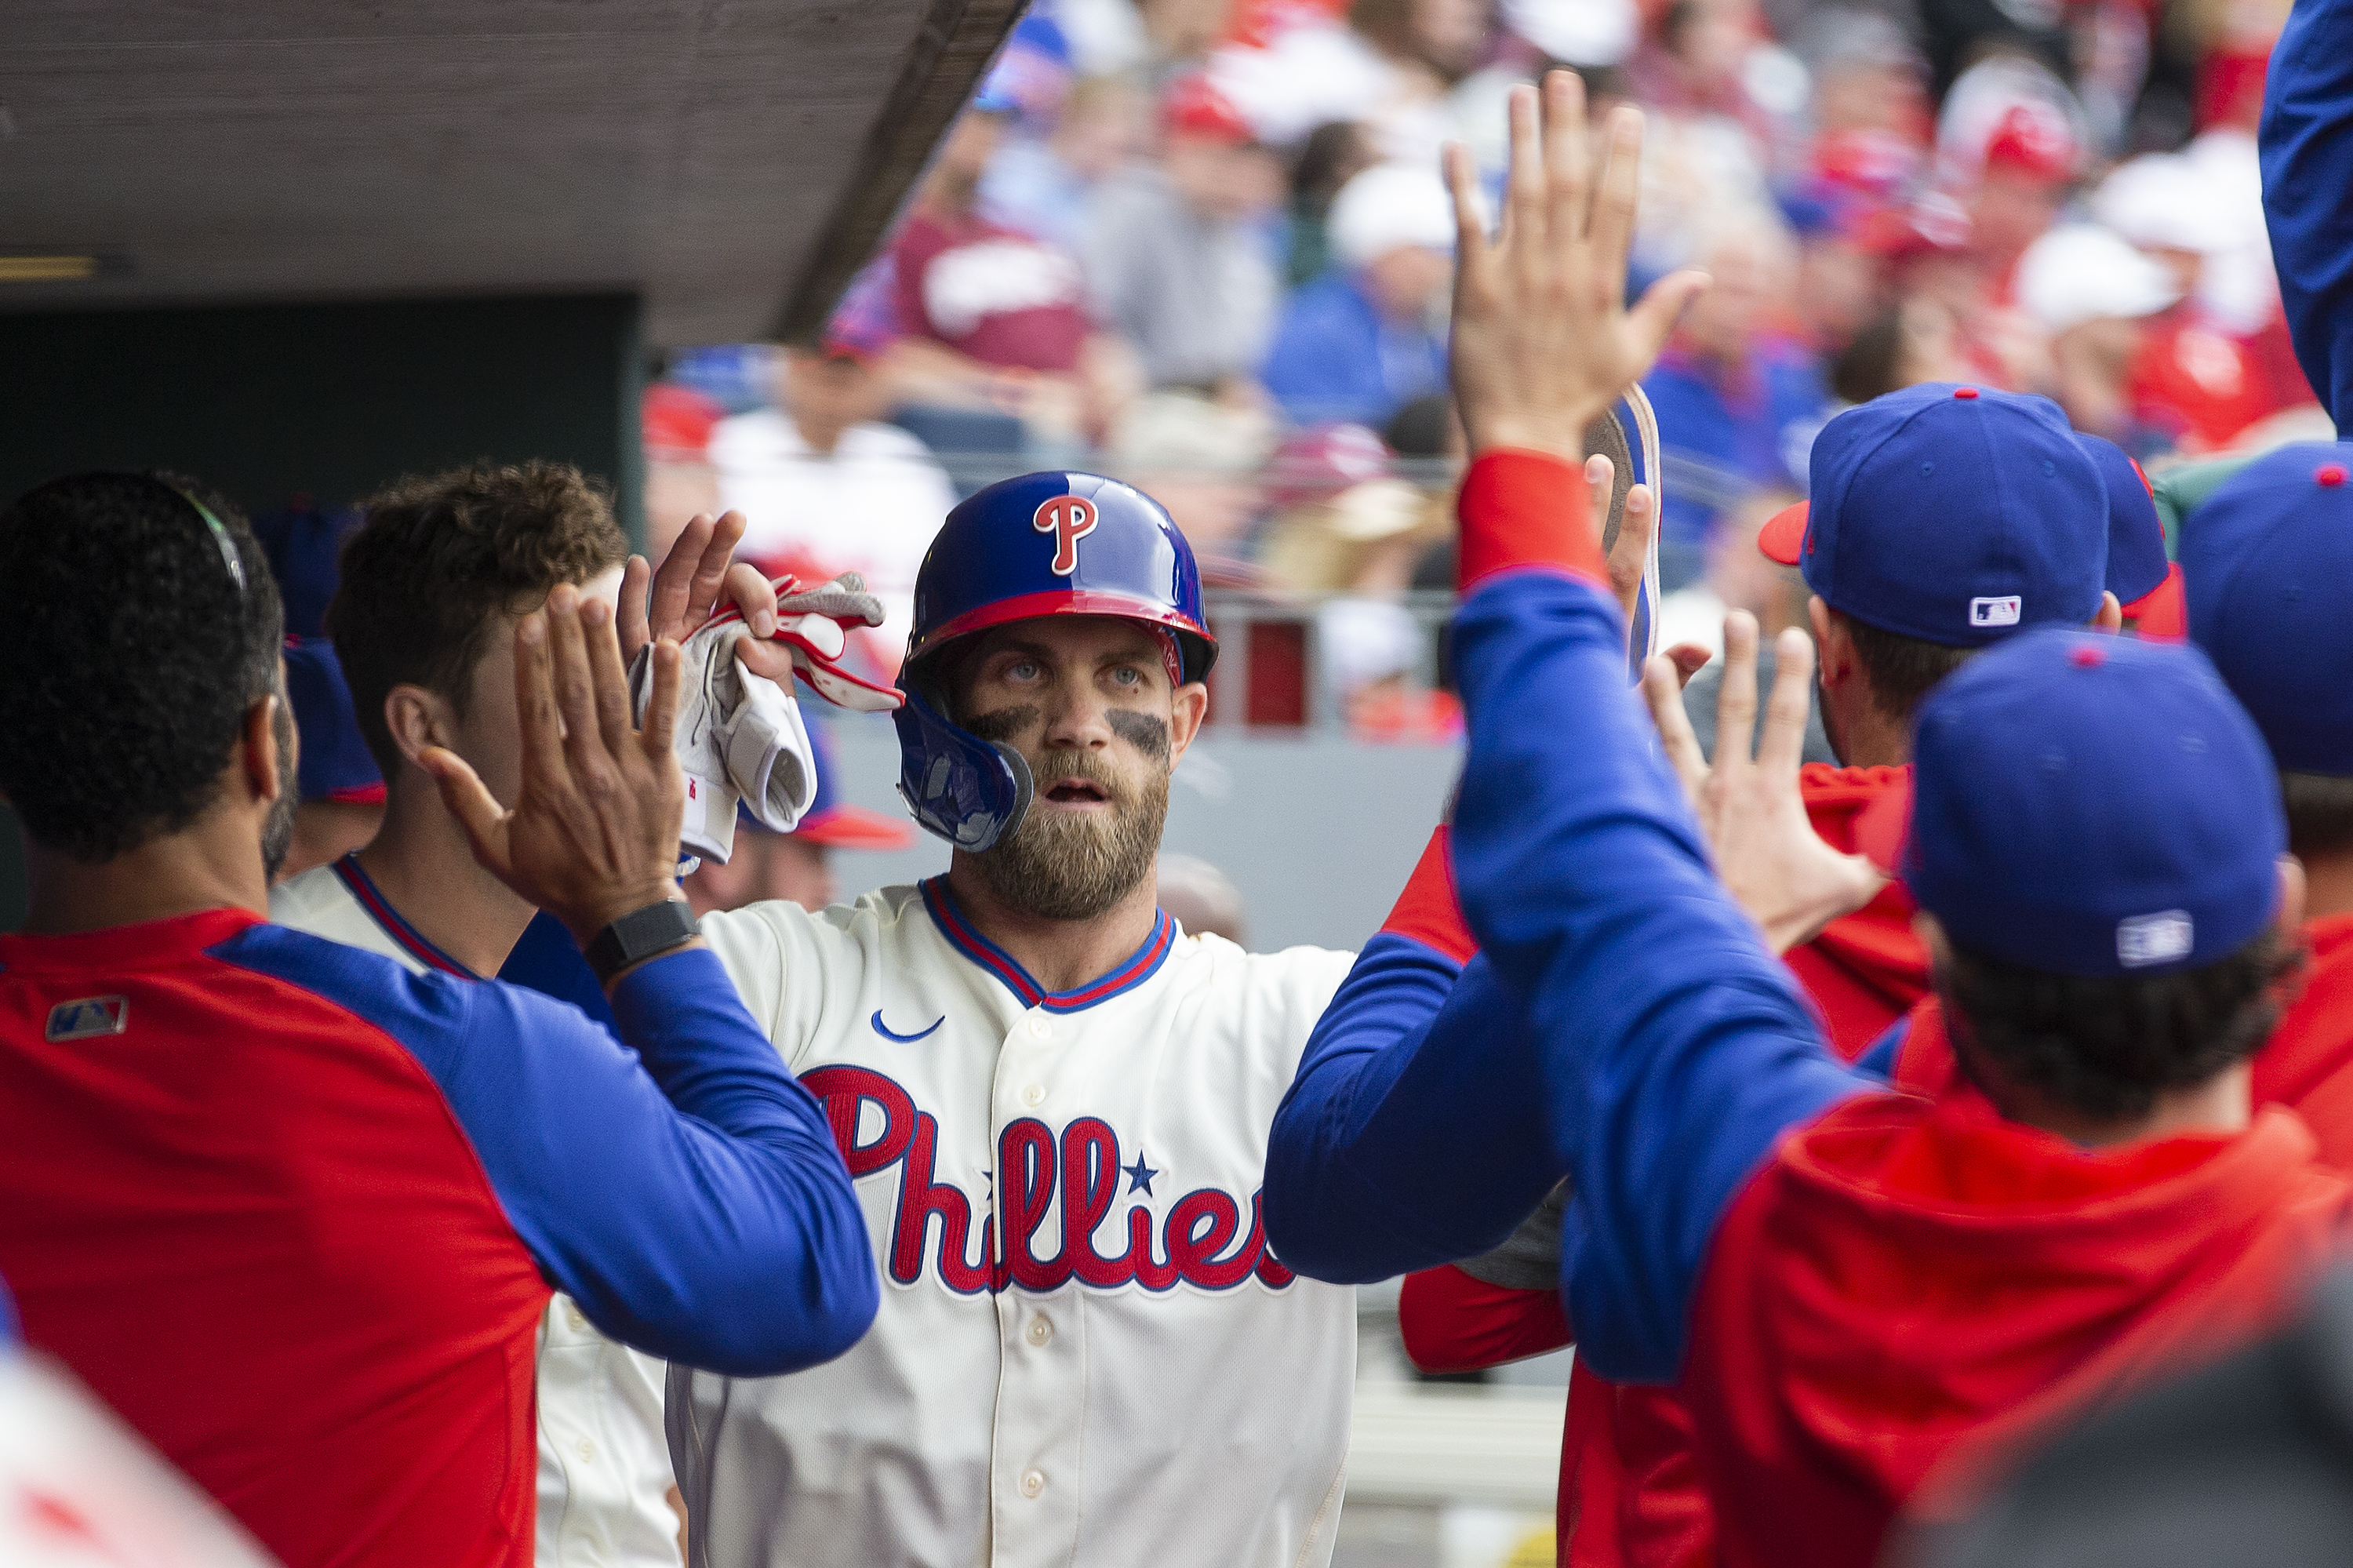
{"x": 1196, "y": 1243}
{"x": 1069, "y": 518}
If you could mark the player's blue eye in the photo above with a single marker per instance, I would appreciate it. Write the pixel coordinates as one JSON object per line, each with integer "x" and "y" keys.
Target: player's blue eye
{"x": 1128, "y": 675}
{"x": 1022, "y": 669}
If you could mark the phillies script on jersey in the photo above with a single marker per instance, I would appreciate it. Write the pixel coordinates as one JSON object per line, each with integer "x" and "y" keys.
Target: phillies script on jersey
{"x": 1062, "y": 1190}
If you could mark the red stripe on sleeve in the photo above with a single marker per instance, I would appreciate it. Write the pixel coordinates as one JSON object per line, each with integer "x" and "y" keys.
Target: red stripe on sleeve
{"x": 1526, "y": 509}
{"x": 1428, "y": 911}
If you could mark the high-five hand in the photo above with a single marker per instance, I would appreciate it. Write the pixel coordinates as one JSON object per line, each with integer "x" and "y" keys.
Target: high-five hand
{"x": 687, "y": 588}
{"x": 1771, "y": 860}
{"x": 594, "y": 834}
{"x": 1542, "y": 340}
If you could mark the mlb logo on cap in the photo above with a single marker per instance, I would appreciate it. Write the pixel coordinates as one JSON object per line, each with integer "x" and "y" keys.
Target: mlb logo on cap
{"x": 1953, "y": 514}
{"x": 2163, "y": 938}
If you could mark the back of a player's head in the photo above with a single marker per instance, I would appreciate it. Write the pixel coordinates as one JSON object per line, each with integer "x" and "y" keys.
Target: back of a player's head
{"x": 439, "y": 559}
{"x": 2267, "y": 563}
{"x": 2095, "y": 829}
{"x": 134, "y": 654}
{"x": 1942, "y": 519}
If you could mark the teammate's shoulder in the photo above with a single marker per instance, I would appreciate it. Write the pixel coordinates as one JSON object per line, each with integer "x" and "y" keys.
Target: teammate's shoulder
{"x": 361, "y": 982}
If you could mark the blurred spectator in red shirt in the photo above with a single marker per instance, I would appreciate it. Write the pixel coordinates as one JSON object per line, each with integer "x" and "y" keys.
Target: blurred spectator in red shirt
{"x": 1179, "y": 254}
{"x": 993, "y": 317}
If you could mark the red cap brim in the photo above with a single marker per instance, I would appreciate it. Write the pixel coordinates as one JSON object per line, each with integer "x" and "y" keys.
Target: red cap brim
{"x": 1784, "y": 535}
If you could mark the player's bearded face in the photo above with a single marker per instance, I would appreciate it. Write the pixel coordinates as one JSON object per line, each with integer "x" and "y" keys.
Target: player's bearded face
{"x": 1063, "y": 865}
{"x": 278, "y": 828}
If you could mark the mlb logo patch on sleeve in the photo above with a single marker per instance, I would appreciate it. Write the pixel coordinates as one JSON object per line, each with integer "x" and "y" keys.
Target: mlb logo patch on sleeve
{"x": 86, "y": 1018}
{"x": 2003, "y": 611}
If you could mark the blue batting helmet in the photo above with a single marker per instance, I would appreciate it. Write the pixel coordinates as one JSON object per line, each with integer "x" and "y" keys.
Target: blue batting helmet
{"x": 1043, "y": 543}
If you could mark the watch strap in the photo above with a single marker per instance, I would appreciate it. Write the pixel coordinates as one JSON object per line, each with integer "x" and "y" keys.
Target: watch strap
{"x": 639, "y": 935}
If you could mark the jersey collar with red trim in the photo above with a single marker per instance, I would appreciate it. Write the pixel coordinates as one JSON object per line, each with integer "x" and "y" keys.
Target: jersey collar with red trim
{"x": 380, "y": 910}
{"x": 1125, "y": 976}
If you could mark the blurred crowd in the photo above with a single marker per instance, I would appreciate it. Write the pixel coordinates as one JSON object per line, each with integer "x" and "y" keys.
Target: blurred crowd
{"x": 1204, "y": 244}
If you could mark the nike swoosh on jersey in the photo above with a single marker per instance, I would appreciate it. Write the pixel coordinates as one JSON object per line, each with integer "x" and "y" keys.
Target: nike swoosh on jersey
{"x": 888, "y": 1032}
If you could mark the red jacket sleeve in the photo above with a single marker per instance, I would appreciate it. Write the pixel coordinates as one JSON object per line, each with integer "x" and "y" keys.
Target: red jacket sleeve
{"x": 1452, "y": 1322}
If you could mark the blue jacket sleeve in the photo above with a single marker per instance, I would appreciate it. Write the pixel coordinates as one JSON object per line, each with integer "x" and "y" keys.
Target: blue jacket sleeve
{"x": 1414, "y": 1133}
{"x": 687, "y": 1194}
{"x": 1674, "y": 1050}
{"x": 2306, "y": 140}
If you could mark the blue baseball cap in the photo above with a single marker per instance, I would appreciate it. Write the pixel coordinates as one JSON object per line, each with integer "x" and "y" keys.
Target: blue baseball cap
{"x": 2091, "y": 805}
{"x": 2268, "y": 564}
{"x": 2136, "y": 559}
{"x": 1954, "y": 515}
{"x": 336, "y": 764}
{"x": 303, "y": 543}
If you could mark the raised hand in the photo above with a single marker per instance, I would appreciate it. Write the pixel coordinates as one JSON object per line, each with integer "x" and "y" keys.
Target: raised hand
{"x": 593, "y": 834}
{"x": 1771, "y": 860}
{"x": 1542, "y": 341}
{"x": 698, "y": 579}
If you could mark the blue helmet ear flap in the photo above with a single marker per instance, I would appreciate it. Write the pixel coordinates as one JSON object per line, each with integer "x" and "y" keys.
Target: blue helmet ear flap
{"x": 970, "y": 791}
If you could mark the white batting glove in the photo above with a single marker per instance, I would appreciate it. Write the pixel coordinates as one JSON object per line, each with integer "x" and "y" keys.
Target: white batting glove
{"x": 814, "y": 624}
{"x": 739, "y": 738}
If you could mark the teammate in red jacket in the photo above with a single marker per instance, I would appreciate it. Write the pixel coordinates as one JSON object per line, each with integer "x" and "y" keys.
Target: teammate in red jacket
{"x": 1854, "y": 1288}
{"x": 2268, "y": 564}
{"x": 291, "y": 1211}
{"x": 1904, "y": 591}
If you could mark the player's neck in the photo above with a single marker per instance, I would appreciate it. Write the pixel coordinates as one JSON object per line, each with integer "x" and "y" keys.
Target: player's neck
{"x": 2328, "y": 885}
{"x": 215, "y": 863}
{"x": 1869, "y": 738}
{"x": 1061, "y": 955}
{"x": 422, "y": 863}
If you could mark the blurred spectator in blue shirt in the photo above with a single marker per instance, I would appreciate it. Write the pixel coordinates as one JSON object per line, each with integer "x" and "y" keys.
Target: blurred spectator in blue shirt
{"x": 1041, "y": 183}
{"x": 1179, "y": 256}
{"x": 1368, "y": 335}
{"x": 1738, "y": 402}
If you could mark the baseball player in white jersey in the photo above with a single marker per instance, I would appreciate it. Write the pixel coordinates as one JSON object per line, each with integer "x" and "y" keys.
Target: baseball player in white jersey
{"x": 403, "y": 623}
{"x": 1055, "y": 1104}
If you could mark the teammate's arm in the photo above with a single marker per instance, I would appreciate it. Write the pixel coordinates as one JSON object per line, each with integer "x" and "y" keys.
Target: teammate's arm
{"x": 2308, "y": 159}
{"x": 697, "y": 1206}
{"x": 1414, "y": 1131}
{"x": 1674, "y": 1049}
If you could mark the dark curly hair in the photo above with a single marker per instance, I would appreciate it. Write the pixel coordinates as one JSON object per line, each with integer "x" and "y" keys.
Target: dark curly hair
{"x": 2106, "y": 1046}
{"x": 438, "y": 559}
{"x": 129, "y": 656}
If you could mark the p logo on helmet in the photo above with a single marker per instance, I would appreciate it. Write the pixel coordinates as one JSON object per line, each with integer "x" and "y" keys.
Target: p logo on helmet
{"x": 1069, "y": 518}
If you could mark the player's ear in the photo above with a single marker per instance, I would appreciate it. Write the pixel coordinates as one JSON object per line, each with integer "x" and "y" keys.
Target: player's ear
{"x": 1188, "y": 706}
{"x": 417, "y": 719}
{"x": 2289, "y": 921}
{"x": 2111, "y": 615}
{"x": 265, "y": 771}
{"x": 1835, "y": 655}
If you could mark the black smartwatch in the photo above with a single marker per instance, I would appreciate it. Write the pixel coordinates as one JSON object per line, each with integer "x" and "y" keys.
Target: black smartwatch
{"x": 640, "y": 935}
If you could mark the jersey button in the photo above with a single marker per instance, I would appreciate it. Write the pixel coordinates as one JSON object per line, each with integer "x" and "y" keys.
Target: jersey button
{"x": 1033, "y": 1481}
{"x": 1038, "y": 1028}
{"x": 1041, "y": 1330}
{"x": 574, "y": 1319}
{"x": 587, "y": 1450}
{"x": 1035, "y": 1095}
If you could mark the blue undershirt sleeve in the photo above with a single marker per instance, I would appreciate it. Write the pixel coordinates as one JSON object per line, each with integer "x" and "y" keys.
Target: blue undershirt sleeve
{"x": 2306, "y": 142}
{"x": 1414, "y": 1133}
{"x": 1673, "y": 1049}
